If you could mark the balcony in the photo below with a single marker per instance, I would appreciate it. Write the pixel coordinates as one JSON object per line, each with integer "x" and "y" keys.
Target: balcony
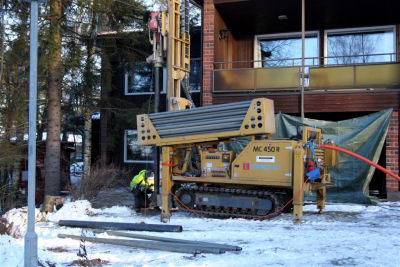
{"x": 322, "y": 74}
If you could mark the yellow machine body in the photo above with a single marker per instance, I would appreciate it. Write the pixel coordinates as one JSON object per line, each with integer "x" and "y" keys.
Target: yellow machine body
{"x": 265, "y": 162}
{"x": 266, "y": 174}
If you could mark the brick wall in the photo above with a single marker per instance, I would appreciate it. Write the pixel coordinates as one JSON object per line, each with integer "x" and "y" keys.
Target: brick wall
{"x": 392, "y": 152}
{"x": 208, "y": 51}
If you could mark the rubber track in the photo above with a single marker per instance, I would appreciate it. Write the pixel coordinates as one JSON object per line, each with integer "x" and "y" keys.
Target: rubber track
{"x": 226, "y": 212}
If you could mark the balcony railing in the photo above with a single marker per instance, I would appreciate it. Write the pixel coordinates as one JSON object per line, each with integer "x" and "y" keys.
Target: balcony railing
{"x": 311, "y": 61}
{"x": 325, "y": 73}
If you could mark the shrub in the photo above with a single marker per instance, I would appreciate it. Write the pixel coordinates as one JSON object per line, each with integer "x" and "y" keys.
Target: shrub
{"x": 100, "y": 178}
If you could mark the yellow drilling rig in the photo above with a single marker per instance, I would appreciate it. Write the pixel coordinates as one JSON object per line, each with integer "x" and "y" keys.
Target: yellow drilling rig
{"x": 202, "y": 171}
{"x": 204, "y": 167}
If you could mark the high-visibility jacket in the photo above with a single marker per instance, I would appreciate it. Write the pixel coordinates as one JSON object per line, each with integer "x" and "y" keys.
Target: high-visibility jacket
{"x": 140, "y": 180}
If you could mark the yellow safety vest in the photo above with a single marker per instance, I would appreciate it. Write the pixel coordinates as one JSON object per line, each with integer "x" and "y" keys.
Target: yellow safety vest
{"x": 140, "y": 180}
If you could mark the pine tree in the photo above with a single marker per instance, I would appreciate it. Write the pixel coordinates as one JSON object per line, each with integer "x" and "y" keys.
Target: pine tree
{"x": 53, "y": 142}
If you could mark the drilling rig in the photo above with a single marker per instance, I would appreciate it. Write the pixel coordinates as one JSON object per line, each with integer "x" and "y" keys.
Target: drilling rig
{"x": 204, "y": 170}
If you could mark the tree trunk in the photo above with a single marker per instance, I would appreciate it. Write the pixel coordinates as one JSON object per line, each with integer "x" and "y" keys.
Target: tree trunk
{"x": 16, "y": 171}
{"x": 90, "y": 87}
{"x": 2, "y": 37}
{"x": 87, "y": 150}
{"x": 106, "y": 88}
{"x": 53, "y": 143}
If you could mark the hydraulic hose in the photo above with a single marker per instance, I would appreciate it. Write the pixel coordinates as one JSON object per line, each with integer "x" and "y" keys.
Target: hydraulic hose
{"x": 363, "y": 159}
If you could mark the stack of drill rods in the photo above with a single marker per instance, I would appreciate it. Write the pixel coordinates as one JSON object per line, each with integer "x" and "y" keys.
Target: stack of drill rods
{"x": 157, "y": 245}
{"x": 219, "y": 118}
{"x": 199, "y": 130}
{"x": 201, "y": 110}
{"x": 174, "y": 240}
{"x": 201, "y": 122}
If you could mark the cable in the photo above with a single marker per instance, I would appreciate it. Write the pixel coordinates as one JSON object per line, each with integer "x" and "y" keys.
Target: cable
{"x": 363, "y": 159}
{"x": 252, "y": 219}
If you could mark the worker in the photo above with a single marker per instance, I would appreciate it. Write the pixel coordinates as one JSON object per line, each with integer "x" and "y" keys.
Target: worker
{"x": 142, "y": 186}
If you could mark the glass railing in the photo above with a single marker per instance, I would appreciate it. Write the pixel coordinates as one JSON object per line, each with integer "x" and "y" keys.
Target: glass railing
{"x": 381, "y": 71}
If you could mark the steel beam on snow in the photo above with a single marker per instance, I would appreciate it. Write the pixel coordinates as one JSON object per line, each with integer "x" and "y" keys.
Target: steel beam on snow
{"x": 121, "y": 226}
{"x": 157, "y": 245}
{"x": 175, "y": 240}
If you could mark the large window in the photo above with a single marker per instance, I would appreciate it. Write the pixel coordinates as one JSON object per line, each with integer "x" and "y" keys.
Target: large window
{"x": 133, "y": 153}
{"x": 363, "y": 45}
{"x": 139, "y": 79}
{"x": 195, "y": 74}
{"x": 285, "y": 50}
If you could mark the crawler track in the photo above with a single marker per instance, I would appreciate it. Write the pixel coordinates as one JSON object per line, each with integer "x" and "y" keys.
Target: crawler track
{"x": 261, "y": 202}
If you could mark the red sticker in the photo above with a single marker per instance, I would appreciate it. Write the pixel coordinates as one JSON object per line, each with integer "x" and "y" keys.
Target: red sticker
{"x": 246, "y": 166}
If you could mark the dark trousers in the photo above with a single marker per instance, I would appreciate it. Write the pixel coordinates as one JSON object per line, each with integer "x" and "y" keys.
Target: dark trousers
{"x": 139, "y": 198}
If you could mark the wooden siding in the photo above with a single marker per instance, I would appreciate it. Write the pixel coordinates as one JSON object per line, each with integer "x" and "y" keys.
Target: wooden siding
{"x": 231, "y": 49}
{"x": 326, "y": 102}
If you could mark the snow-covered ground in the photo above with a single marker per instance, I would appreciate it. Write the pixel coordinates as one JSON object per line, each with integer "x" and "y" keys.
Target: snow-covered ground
{"x": 345, "y": 235}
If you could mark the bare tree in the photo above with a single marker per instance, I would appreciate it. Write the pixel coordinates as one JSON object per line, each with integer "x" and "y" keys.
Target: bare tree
{"x": 274, "y": 52}
{"x": 350, "y": 49}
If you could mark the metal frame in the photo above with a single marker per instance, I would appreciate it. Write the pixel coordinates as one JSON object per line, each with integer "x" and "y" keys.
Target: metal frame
{"x": 126, "y": 160}
{"x": 141, "y": 93}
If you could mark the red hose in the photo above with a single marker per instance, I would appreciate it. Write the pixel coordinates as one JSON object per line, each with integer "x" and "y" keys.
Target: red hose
{"x": 363, "y": 159}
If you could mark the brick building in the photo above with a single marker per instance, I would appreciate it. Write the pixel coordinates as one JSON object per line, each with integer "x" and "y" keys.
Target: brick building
{"x": 252, "y": 48}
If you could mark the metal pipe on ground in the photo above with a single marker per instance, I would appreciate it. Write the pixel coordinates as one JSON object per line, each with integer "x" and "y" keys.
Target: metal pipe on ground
{"x": 121, "y": 226}
{"x": 165, "y": 239}
{"x": 157, "y": 245}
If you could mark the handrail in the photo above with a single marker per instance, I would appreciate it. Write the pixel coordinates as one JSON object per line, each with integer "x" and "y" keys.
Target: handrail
{"x": 316, "y": 61}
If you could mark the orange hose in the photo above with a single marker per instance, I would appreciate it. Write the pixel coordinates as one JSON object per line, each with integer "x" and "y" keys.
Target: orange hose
{"x": 363, "y": 159}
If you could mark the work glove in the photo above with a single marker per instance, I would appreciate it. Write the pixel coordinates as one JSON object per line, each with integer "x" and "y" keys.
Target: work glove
{"x": 139, "y": 188}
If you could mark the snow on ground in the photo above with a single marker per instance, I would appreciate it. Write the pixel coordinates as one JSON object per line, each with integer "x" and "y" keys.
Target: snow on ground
{"x": 346, "y": 234}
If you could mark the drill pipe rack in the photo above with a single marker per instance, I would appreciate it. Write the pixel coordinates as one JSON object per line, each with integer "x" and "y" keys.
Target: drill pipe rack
{"x": 206, "y": 124}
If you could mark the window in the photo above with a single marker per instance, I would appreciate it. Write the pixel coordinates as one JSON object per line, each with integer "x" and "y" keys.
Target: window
{"x": 363, "y": 45}
{"x": 133, "y": 153}
{"x": 282, "y": 50}
{"x": 195, "y": 74}
{"x": 139, "y": 79}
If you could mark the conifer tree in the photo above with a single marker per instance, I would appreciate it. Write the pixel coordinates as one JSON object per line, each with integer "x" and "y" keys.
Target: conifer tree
{"x": 53, "y": 142}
